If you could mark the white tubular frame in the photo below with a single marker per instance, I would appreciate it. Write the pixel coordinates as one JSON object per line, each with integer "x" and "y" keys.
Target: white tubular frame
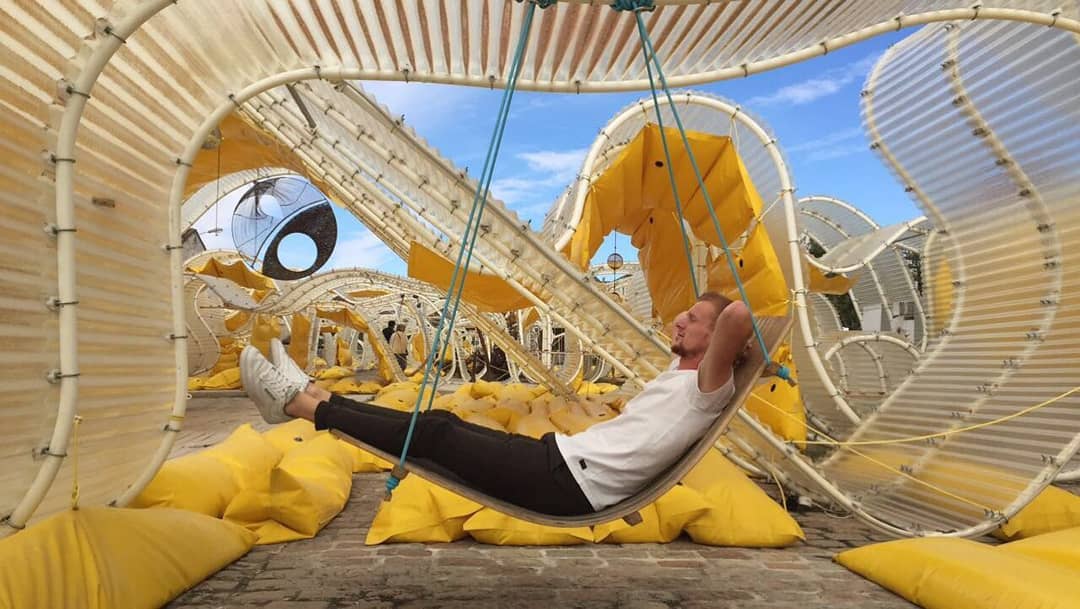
{"x": 100, "y": 50}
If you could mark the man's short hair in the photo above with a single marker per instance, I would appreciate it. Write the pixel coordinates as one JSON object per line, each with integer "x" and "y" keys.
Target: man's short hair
{"x": 718, "y": 301}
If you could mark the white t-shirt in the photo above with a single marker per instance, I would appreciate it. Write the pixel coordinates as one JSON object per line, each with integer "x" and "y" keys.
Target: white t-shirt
{"x": 613, "y": 460}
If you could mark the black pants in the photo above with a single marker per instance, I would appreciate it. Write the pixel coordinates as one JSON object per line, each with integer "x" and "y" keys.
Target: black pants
{"x": 402, "y": 360}
{"x": 524, "y": 471}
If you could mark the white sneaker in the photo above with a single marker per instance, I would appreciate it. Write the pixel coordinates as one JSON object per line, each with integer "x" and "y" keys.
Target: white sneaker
{"x": 267, "y": 386}
{"x": 281, "y": 360}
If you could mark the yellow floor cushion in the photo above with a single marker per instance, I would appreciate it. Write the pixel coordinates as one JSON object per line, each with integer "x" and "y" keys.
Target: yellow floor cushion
{"x": 662, "y": 521}
{"x": 311, "y": 485}
{"x": 196, "y": 482}
{"x": 951, "y": 573}
{"x": 1060, "y": 547}
{"x": 98, "y": 557}
{"x": 421, "y": 512}
{"x": 492, "y": 527}
{"x": 740, "y": 513}
{"x": 1053, "y": 509}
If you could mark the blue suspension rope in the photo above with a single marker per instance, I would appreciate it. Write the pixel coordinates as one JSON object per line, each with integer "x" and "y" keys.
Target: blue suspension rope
{"x": 638, "y": 7}
{"x": 468, "y": 242}
{"x": 670, "y": 166}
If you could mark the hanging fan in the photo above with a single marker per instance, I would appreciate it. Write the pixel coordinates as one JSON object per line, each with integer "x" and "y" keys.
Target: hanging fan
{"x": 274, "y": 209}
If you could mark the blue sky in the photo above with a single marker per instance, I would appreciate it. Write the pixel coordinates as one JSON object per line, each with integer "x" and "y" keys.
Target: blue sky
{"x": 812, "y": 107}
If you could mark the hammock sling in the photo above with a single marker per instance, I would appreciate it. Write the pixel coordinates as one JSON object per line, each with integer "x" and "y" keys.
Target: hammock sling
{"x": 770, "y": 332}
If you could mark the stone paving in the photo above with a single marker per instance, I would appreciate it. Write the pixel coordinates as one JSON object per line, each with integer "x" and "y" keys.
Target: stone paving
{"x": 336, "y": 570}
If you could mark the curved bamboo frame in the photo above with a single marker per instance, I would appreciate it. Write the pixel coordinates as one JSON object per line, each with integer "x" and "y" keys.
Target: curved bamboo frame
{"x": 97, "y": 54}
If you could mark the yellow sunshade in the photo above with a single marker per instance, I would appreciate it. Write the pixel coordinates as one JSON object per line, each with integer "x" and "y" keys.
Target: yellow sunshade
{"x": 243, "y": 146}
{"x": 824, "y": 284}
{"x": 487, "y": 292}
{"x": 344, "y": 317}
{"x": 237, "y": 272}
{"x": 634, "y": 196}
{"x": 367, "y": 293}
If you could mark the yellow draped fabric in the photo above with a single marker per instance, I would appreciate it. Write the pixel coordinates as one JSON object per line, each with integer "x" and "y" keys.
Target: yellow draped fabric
{"x": 823, "y": 283}
{"x": 243, "y": 146}
{"x": 350, "y": 318}
{"x": 487, "y": 292}
{"x": 237, "y": 272}
{"x": 301, "y": 338}
{"x": 634, "y": 197}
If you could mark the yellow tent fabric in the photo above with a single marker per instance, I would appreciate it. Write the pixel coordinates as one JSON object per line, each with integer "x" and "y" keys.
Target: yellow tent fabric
{"x": 487, "y": 292}
{"x": 825, "y": 284}
{"x": 301, "y": 337}
{"x": 634, "y": 197}
{"x": 104, "y": 558}
{"x": 237, "y": 272}
{"x": 348, "y": 317}
{"x": 243, "y": 146}
{"x": 344, "y": 354}
{"x": 266, "y": 327}
{"x": 344, "y": 317}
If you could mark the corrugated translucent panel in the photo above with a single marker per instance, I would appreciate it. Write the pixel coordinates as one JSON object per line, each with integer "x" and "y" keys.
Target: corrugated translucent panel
{"x": 28, "y": 332}
{"x": 1012, "y": 223}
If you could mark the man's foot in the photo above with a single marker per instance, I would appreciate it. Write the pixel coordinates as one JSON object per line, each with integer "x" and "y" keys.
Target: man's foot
{"x": 281, "y": 360}
{"x": 267, "y": 386}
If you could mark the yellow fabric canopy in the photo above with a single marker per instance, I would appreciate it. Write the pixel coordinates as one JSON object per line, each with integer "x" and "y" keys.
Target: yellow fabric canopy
{"x": 344, "y": 317}
{"x": 237, "y": 272}
{"x": 243, "y": 146}
{"x": 634, "y": 197}
{"x": 487, "y": 292}
{"x": 823, "y": 283}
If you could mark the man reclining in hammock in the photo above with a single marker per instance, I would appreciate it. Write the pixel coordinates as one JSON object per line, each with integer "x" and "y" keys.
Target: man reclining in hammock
{"x": 558, "y": 475}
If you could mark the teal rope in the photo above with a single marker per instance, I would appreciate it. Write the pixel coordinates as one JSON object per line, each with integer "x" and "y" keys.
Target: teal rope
{"x": 670, "y": 170}
{"x": 638, "y": 6}
{"x": 468, "y": 242}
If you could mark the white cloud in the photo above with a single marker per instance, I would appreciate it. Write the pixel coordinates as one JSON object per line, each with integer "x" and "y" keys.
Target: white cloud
{"x": 832, "y": 146}
{"x": 426, "y": 106}
{"x": 812, "y": 89}
{"x": 549, "y": 172}
{"x": 360, "y": 249}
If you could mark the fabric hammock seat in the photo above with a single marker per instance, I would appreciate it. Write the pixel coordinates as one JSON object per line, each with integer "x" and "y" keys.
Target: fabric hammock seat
{"x": 773, "y": 329}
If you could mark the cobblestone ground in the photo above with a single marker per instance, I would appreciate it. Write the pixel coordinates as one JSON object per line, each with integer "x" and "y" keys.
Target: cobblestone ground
{"x": 336, "y": 570}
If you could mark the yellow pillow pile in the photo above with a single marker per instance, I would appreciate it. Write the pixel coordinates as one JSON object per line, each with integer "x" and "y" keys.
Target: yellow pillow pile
{"x": 420, "y": 511}
{"x": 228, "y": 378}
{"x": 716, "y": 505}
{"x": 1053, "y": 509}
{"x": 102, "y": 558}
{"x": 282, "y": 485}
{"x": 947, "y": 573}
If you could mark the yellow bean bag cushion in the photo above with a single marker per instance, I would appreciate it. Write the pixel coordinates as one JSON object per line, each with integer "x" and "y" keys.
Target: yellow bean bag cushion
{"x": 662, "y": 521}
{"x": 335, "y": 373}
{"x": 228, "y": 378}
{"x": 1053, "y": 509}
{"x": 516, "y": 391}
{"x": 288, "y": 436}
{"x": 349, "y": 386}
{"x": 481, "y": 389}
{"x": 740, "y": 513}
{"x": 311, "y": 485}
{"x": 196, "y": 482}
{"x": 951, "y": 573}
{"x": 398, "y": 387}
{"x": 778, "y": 406}
{"x": 421, "y": 512}
{"x": 535, "y": 424}
{"x": 496, "y": 528}
{"x": 249, "y": 455}
{"x": 104, "y": 558}
{"x": 1060, "y": 547}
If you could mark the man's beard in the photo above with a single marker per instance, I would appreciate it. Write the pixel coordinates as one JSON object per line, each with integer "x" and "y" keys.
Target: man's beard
{"x": 678, "y": 350}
